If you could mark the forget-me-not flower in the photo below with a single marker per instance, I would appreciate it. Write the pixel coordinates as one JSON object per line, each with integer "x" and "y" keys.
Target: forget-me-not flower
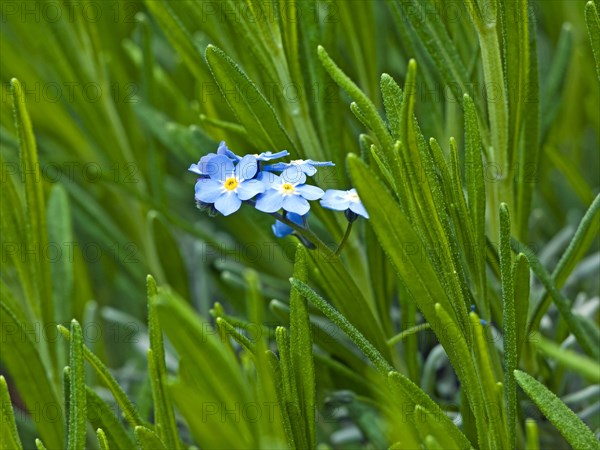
{"x": 344, "y": 201}
{"x": 286, "y": 191}
{"x": 280, "y": 229}
{"x": 202, "y": 167}
{"x": 228, "y": 185}
{"x": 307, "y": 166}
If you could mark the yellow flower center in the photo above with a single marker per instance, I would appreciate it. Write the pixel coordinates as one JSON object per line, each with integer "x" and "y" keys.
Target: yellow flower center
{"x": 231, "y": 184}
{"x": 353, "y": 197}
{"x": 287, "y": 188}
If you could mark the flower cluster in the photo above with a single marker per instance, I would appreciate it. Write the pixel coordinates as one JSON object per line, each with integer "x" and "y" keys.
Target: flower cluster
{"x": 226, "y": 180}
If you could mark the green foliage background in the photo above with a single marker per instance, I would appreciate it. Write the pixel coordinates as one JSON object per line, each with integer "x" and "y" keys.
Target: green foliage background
{"x": 470, "y": 130}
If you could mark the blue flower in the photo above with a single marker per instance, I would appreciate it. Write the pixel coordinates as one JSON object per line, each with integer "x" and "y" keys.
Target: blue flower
{"x": 227, "y": 186}
{"x": 268, "y": 156}
{"x": 286, "y": 191}
{"x": 343, "y": 201}
{"x": 280, "y": 229}
{"x": 202, "y": 167}
{"x": 307, "y": 166}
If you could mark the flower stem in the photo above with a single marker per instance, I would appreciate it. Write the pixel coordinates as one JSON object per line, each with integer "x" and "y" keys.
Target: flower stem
{"x": 344, "y": 239}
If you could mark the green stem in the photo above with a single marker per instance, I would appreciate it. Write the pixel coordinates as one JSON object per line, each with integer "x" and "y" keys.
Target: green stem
{"x": 344, "y": 239}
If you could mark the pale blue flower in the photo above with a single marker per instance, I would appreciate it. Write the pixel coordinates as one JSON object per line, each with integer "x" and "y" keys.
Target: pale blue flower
{"x": 228, "y": 185}
{"x": 344, "y": 201}
{"x": 307, "y": 166}
{"x": 202, "y": 167}
{"x": 286, "y": 191}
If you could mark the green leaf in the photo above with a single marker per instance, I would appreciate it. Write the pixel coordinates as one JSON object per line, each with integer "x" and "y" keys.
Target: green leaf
{"x": 531, "y": 428}
{"x": 129, "y": 410}
{"x": 586, "y": 336}
{"x": 592, "y": 20}
{"x": 392, "y": 100}
{"x": 509, "y": 323}
{"x": 357, "y": 337}
{"x": 583, "y": 238}
{"x": 475, "y": 188}
{"x": 101, "y": 415}
{"x": 147, "y": 439}
{"x": 9, "y": 436}
{"x": 21, "y": 356}
{"x": 102, "y": 441}
{"x": 399, "y": 241}
{"x": 39, "y": 444}
{"x": 521, "y": 275}
{"x": 249, "y": 105}
{"x": 77, "y": 398}
{"x": 60, "y": 232}
{"x": 565, "y": 420}
{"x": 163, "y": 407}
{"x": 37, "y": 232}
{"x": 582, "y": 365}
{"x": 302, "y": 364}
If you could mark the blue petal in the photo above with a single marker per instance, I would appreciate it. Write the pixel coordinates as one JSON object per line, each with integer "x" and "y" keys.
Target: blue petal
{"x": 270, "y": 180}
{"x": 269, "y": 202}
{"x": 280, "y": 229}
{"x": 277, "y": 167}
{"x": 309, "y": 192}
{"x": 296, "y": 218}
{"x": 224, "y": 150}
{"x": 296, "y": 204}
{"x": 219, "y": 168}
{"x": 246, "y": 168}
{"x": 308, "y": 169}
{"x": 208, "y": 190}
{"x": 359, "y": 209}
{"x": 195, "y": 169}
{"x": 319, "y": 163}
{"x": 228, "y": 203}
{"x": 249, "y": 188}
{"x": 334, "y": 199}
{"x": 293, "y": 174}
{"x": 268, "y": 156}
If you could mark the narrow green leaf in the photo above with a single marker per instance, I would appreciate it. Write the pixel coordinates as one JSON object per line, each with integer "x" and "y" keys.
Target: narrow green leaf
{"x": 39, "y": 444}
{"x": 392, "y": 100}
{"x": 565, "y": 420}
{"x": 528, "y": 152}
{"x": 521, "y": 275}
{"x": 249, "y": 105}
{"x": 102, "y": 441}
{"x": 275, "y": 366}
{"x": 418, "y": 397}
{"x": 229, "y": 330}
{"x": 37, "y": 231}
{"x": 592, "y": 20}
{"x": 531, "y": 428}
{"x": 509, "y": 323}
{"x": 101, "y": 415}
{"x": 587, "y": 336}
{"x": 21, "y": 356}
{"x": 77, "y": 399}
{"x": 582, "y": 365}
{"x": 129, "y": 410}
{"x": 163, "y": 407}
{"x": 301, "y": 351}
{"x": 176, "y": 33}
{"x": 475, "y": 189}
{"x": 372, "y": 117}
{"x": 357, "y": 337}
{"x": 147, "y": 439}
{"x": 60, "y": 232}
{"x": 291, "y": 405}
{"x": 400, "y": 242}
{"x": 9, "y": 436}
